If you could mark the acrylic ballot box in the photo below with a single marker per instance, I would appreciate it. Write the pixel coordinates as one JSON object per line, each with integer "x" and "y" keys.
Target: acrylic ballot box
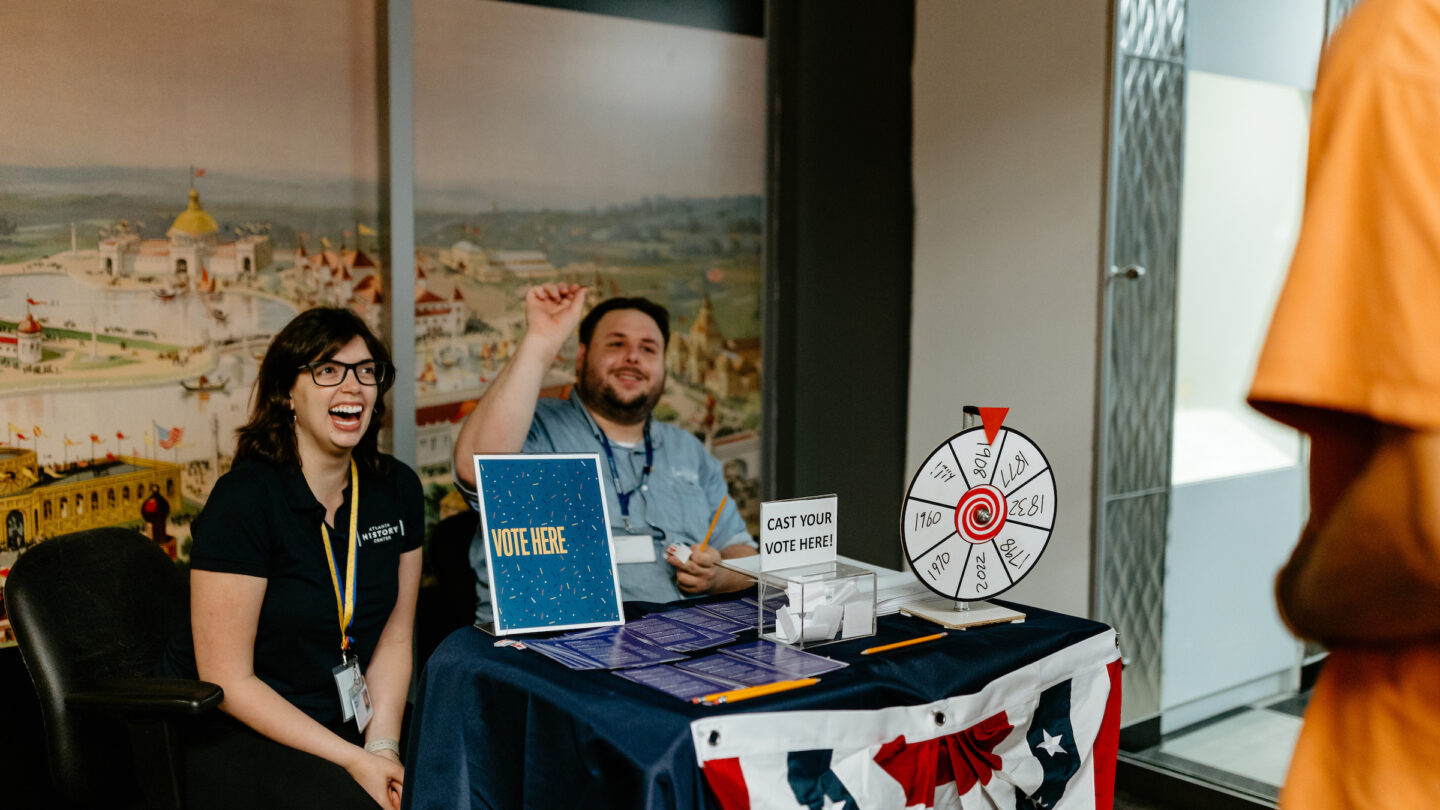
{"x": 818, "y": 603}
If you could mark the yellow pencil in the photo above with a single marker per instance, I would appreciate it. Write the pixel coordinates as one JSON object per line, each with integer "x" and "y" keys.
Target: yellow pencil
{"x": 897, "y": 645}
{"x": 754, "y": 691}
{"x": 713, "y": 521}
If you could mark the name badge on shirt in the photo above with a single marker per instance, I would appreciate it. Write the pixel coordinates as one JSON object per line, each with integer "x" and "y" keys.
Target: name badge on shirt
{"x": 354, "y": 693}
{"x": 634, "y": 548}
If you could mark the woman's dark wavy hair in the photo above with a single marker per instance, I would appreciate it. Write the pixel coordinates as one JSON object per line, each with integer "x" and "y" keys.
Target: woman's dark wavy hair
{"x": 315, "y": 334}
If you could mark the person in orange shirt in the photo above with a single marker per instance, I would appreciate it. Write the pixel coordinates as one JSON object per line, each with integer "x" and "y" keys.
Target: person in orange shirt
{"x": 1353, "y": 360}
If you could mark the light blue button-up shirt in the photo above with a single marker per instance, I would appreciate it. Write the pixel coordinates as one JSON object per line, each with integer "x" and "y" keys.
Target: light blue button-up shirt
{"x": 676, "y": 505}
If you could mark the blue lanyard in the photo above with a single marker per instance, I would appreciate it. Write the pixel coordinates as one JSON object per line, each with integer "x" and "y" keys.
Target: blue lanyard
{"x": 624, "y": 497}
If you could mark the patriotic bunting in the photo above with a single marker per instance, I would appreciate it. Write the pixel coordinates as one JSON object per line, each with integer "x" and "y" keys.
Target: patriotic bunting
{"x": 1042, "y": 736}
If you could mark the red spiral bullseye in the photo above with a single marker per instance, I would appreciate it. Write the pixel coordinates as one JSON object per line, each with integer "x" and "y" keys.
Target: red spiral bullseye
{"x": 980, "y": 515}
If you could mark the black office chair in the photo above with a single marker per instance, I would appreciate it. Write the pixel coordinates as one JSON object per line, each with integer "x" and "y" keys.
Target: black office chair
{"x": 92, "y": 612}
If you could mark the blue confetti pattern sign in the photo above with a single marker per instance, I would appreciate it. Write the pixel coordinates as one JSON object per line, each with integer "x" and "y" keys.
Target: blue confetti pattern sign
{"x": 547, "y": 538}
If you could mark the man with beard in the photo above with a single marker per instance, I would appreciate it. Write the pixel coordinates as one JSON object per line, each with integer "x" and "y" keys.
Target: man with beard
{"x": 662, "y": 486}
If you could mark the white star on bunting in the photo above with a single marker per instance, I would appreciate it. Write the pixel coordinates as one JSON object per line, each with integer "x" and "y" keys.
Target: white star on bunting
{"x": 1052, "y": 743}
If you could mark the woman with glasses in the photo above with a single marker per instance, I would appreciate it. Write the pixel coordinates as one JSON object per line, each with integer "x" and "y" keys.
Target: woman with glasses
{"x": 304, "y": 573}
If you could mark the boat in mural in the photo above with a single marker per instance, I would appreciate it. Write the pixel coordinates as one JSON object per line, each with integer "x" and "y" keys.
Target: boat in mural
{"x": 206, "y": 285}
{"x": 203, "y": 383}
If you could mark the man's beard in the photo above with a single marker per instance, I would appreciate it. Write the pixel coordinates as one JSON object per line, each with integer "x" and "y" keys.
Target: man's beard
{"x": 601, "y": 397}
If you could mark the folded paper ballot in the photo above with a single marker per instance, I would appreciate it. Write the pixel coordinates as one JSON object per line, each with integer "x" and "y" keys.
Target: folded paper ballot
{"x": 822, "y": 610}
{"x": 820, "y": 624}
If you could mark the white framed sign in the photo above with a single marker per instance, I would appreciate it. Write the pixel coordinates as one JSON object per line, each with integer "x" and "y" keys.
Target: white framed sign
{"x": 547, "y": 539}
{"x": 799, "y": 531}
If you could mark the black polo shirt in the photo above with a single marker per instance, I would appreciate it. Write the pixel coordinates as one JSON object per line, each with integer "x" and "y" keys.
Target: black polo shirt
{"x": 262, "y": 520}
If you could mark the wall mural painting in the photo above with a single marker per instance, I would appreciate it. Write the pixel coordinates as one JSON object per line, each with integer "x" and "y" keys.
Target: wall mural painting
{"x": 628, "y": 156}
{"x": 177, "y": 180}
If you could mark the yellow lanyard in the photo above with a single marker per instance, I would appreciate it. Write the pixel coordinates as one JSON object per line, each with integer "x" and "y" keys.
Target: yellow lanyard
{"x": 345, "y": 596}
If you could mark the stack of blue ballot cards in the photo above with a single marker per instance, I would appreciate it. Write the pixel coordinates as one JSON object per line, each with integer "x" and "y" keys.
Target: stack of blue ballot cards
{"x": 760, "y": 662}
{"x": 710, "y": 621}
{"x": 754, "y": 664}
{"x": 651, "y": 651}
{"x": 733, "y": 671}
{"x": 677, "y": 635}
{"x": 790, "y": 662}
{"x": 742, "y": 610}
{"x": 674, "y": 681}
{"x": 605, "y": 648}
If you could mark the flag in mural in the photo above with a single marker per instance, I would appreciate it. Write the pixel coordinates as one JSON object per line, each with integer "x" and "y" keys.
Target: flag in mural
{"x": 1043, "y": 736}
{"x": 168, "y": 437}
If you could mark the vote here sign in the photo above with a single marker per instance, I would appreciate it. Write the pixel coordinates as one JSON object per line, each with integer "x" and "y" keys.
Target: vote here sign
{"x": 799, "y": 531}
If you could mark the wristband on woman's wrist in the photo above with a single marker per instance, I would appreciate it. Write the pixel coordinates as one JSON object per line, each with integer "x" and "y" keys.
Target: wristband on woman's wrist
{"x": 376, "y": 746}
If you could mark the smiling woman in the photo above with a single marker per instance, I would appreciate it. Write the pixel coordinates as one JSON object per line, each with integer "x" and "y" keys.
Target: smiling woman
{"x": 332, "y": 406}
{"x": 285, "y": 545}
{"x": 318, "y": 338}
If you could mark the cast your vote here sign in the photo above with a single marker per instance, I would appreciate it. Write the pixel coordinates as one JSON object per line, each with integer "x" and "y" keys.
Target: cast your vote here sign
{"x": 799, "y": 531}
{"x": 547, "y": 539}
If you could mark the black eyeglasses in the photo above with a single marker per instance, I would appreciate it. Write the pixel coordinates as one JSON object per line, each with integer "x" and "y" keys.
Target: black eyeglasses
{"x": 329, "y": 373}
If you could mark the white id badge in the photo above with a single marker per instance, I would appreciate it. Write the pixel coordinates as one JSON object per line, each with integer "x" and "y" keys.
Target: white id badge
{"x": 347, "y": 675}
{"x": 634, "y": 548}
{"x": 360, "y": 700}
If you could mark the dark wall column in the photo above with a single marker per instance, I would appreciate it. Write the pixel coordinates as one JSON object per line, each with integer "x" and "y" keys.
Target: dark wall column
{"x": 838, "y": 268}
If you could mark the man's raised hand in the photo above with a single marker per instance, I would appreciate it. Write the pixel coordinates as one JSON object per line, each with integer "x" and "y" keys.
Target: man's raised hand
{"x": 553, "y": 310}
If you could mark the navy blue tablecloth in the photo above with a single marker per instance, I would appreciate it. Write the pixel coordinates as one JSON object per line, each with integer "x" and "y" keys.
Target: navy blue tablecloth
{"x": 497, "y": 727}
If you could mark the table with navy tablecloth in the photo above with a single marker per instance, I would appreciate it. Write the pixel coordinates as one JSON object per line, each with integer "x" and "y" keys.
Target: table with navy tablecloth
{"x": 1030, "y": 707}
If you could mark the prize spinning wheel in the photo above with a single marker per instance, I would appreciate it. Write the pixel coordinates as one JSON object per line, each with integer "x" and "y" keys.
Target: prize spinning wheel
{"x": 979, "y": 512}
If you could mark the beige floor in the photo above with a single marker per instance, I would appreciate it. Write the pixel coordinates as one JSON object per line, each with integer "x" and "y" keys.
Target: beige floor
{"x": 1255, "y": 744}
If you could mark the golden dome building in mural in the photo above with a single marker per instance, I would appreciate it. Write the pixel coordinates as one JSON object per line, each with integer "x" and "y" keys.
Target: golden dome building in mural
{"x": 36, "y": 504}
{"x": 191, "y": 243}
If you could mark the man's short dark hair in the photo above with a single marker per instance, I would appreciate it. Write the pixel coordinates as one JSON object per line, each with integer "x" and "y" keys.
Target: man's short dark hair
{"x": 660, "y": 315}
